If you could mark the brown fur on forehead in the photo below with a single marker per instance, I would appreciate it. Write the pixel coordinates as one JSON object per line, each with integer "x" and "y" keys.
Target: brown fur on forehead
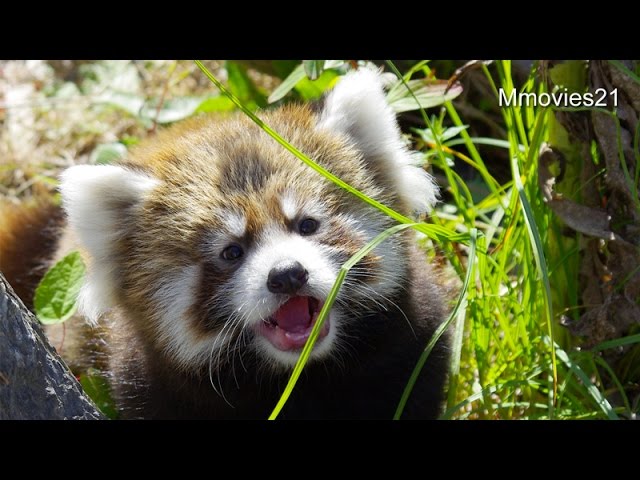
{"x": 209, "y": 165}
{"x": 233, "y": 155}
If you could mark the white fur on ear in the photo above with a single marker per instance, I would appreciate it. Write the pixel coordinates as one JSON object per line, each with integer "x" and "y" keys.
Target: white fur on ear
{"x": 94, "y": 198}
{"x": 357, "y": 107}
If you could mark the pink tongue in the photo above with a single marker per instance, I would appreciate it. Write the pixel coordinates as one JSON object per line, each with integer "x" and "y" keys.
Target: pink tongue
{"x": 294, "y": 315}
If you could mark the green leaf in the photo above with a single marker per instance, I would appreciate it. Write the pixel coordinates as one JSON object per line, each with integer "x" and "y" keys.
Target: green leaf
{"x": 313, "y": 68}
{"x": 536, "y": 243}
{"x": 282, "y": 68}
{"x": 310, "y": 90}
{"x": 239, "y": 82}
{"x": 337, "y": 64}
{"x": 428, "y": 95}
{"x": 107, "y": 153}
{"x": 67, "y": 90}
{"x": 287, "y": 84}
{"x": 494, "y": 142}
{"x": 452, "y": 132}
{"x": 428, "y": 136}
{"x": 114, "y": 75}
{"x": 221, "y": 103}
{"x": 97, "y": 388}
{"x": 242, "y": 87}
{"x": 129, "y": 140}
{"x": 172, "y": 110}
{"x": 56, "y": 295}
{"x": 128, "y": 102}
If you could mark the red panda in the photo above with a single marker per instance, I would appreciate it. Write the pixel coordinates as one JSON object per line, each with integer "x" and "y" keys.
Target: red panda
{"x": 211, "y": 251}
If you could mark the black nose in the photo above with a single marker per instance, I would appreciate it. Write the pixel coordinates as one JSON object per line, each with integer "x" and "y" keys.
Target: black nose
{"x": 287, "y": 277}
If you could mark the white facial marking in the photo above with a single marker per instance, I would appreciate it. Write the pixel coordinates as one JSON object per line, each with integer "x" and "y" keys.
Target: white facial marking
{"x": 253, "y": 302}
{"x": 236, "y": 223}
{"x": 257, "y": 302}
{"x": 173, "y": 299}
{"x": 289, "y": 205}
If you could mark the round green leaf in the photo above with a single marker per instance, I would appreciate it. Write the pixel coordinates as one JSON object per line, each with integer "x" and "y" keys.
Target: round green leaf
{"x": 107, "y": 153}
{"x": 97, "y": 387}
{"x": 313, "y": 68}
{"x": 55, "y": 298}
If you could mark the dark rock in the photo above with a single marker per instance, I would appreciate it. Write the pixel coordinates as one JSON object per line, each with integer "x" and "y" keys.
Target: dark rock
{"x": 34, "y": 381}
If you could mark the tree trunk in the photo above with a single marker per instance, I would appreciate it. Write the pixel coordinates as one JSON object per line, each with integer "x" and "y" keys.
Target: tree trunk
{"x": 34, "y": 381}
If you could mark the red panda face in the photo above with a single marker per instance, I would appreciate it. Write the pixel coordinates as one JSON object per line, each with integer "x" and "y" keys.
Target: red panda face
{"x": 269, "y": 267}
{"x": 214, "y": 241}
{"x": 244, "y": 248}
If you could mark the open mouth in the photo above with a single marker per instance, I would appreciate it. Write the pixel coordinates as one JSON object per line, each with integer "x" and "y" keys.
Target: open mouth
{"x": 290, "y": 326}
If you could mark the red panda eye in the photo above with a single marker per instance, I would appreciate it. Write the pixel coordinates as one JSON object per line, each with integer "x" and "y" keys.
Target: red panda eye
{"x": 308, "y": 226}
{"x": 232, "y": 252}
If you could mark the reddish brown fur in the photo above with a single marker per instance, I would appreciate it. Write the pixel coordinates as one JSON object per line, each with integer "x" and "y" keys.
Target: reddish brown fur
{"x": 28, "y": 240}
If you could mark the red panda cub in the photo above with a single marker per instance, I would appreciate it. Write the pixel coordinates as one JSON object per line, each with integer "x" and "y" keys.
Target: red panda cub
{"x": 212, "y": 249}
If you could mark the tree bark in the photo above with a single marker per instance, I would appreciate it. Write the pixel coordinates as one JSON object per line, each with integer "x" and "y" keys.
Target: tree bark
{"x": 35, "y": 383}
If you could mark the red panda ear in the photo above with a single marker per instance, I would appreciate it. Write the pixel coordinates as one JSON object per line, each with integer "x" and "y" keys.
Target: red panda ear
{"x": 357, "y": 107}
{"x": 95, "y": 199}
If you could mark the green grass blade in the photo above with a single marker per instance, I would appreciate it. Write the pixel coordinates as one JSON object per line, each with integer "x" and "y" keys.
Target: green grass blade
{"x": 620, "y": 66}
{"x": 492, "y": 184}
{"x": 616, "y": 381}
{"x": 513, "y": 116}
{"x": 493, "y": 142}
{"x": 287, "y": 84}
{"x": 308, "y": 347}
{"x": 458, "y": 336}
{"x": 617, "y": 342}
{"x": 541, "y": 263}
{"x": 441, "y": 329}
{"x": 504, "y": 70}
{"x": 486, "y": 392}
{"x": 593, "y": 391}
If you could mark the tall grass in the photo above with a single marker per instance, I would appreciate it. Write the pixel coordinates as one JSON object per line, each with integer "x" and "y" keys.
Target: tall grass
{"x": 511, "y": 365}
